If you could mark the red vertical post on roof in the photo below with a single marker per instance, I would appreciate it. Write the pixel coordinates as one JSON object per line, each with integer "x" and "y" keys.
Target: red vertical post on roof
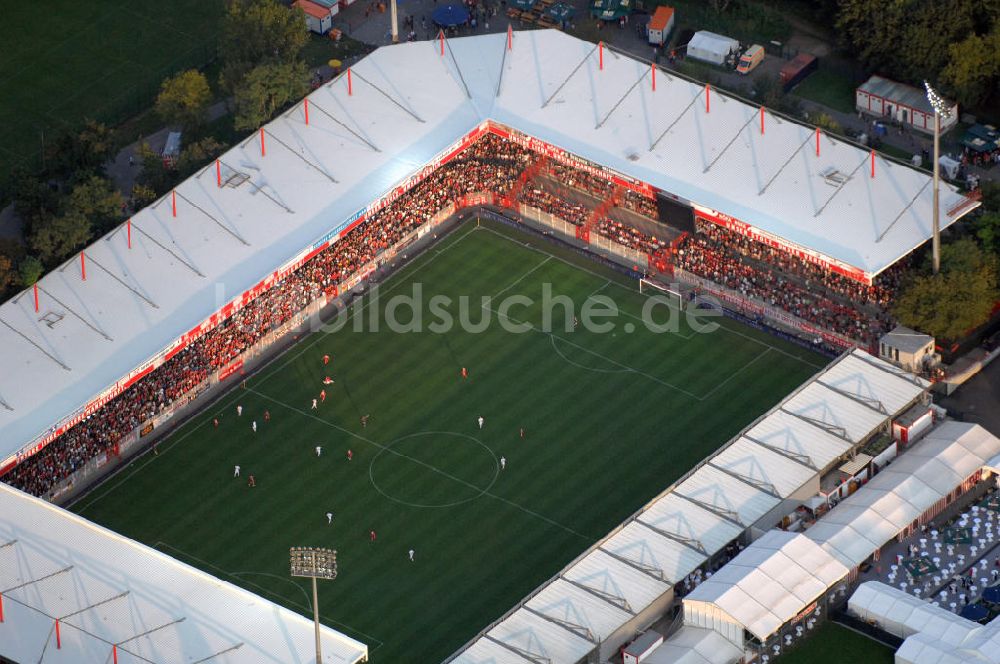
{"x": 600, "y": 55}
{"x": 128, "y": 232}
{"x": 83, "y": 265}
{"x": 652, "y": 68}
{"x": 761, "y": 120}
{"x": 34, "y": 288}
{"x": 263, "y": 149}
{"x": 173, "y": 202}
{"x": 817, "y": 141}
{"x": 218, "y": 173}
{"x": 441, "y": 39}
{"x": 1, "y": 596}
{"x": 58, "y": 636}
{"x": 708, "y": 98}
{"x": 114, "y": 654}
{"x": 305, "y": 107}
{"x": 350, "y": 86}
{"x": 873, "y": 163}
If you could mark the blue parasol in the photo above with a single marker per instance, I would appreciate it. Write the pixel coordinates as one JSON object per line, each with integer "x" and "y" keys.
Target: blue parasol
{"x": 992, "y": 594}
{"x": 450, "y": 15}
{"x": 974, "y": 612}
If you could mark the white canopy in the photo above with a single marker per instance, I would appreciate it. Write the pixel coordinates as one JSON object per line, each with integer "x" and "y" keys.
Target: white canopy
{"x": 409, "y": 104}
{"x": 695, "y": 645}
{"x": 710, "y": 47}
{"x": 904, "y": 490}
{"x": 766, "y": 585}
{"x": 106, "y": 589}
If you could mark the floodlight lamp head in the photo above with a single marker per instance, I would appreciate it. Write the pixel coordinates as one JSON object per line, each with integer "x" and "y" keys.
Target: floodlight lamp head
{"x": 937, "y": 102}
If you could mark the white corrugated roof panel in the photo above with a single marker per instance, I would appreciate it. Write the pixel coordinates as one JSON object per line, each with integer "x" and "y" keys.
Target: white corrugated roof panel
{"x": 695, "y": 645}
{"x": 761, "y": 465}
{"x": 571, "y": 605}
{"x": 608, "y": 576}
{"x": 785, "y": 431}
{"x": 651, "y": 551}
{"x": 541, "y": 638}
{"x": 870, "y": 378}
{"x": 59, "y": 564}
{"x": 484, "y": 651}
{"x": 852, "y": 419}
{"x": 731, "y": 496}
{"x": 674, "y": 514}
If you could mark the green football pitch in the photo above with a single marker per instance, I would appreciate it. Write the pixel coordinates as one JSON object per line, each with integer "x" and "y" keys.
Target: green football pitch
{"x": 65, "y": 61}
{"x": 611, "y": 419}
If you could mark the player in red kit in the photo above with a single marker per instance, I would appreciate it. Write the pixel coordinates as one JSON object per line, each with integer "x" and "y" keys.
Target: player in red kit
{"x": 216, "y": 422}
{"x": 350, "y": 455}
{"x": 251, "y": 482}
{"x": 371, "y": 536}
{"x": 322, "y": 396}
{"x": 465, "y": 372}
{"x": 267, "y": 416}
{"x": 326, "y": 359}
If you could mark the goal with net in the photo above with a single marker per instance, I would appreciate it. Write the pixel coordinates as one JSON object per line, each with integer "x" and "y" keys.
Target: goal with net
{"x": 672, "y": 292}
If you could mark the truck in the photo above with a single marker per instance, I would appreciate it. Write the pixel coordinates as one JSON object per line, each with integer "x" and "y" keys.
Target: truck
{"x": 658, "y": 30}
{"x": 796, "y": 69}
{"x": 752, "y": 57}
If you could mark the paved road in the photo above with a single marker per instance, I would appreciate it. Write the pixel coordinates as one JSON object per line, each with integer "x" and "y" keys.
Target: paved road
{"x": 978, "y": 400}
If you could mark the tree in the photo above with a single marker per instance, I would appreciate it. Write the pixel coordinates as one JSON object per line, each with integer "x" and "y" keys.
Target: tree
{"x": 97, "y": 199}
{"x": 256, "y": 32}
{"x": 973, "y": 69}
{"x": 826, "y": 122}
{"x": 183, "y": 99}
{"x": 988, "y": 230}
{"x": 61, "y": 236}
{"x": 956, "y": 300}
{"x": 36, "y": 200}
{"x": 268, "y": 88}
{"x": 197, "y": 154}
{"x": 7, "y": 274}
{"x": 30, "y": 270}
{"x": 154, "y": 174}
{"x": 142, "y": 195}
{"x": 83, "y": 152}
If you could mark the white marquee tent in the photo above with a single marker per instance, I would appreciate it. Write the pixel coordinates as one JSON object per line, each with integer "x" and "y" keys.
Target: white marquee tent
{"x": 710, "y": 47}
{"x": 107, "y": 590}
{"x": 695, "y": 645}
{"x": 409, "y": 103}
{"x": 764, "y": 587}
{"x": 905, "y": 489}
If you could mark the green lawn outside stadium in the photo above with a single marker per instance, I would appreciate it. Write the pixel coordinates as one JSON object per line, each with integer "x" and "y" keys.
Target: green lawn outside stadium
{"x": 835, "y": 644}
{"x": 66, "y": 61}
{"x": 611, "y": 420}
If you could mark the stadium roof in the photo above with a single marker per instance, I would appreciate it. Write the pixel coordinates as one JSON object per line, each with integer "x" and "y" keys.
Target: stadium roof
{"x": 904, "y": 490}
{"x": 769, "y": 582}
{"x": 408, "y": 104}
{"x": 702, "y": 513}
{"x": 108, "y": 590}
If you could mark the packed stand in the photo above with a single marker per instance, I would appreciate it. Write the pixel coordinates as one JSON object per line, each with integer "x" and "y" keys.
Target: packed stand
{"x": 631, "y": 237}
{"x": 636, "y": 202}
{"x": 599, "y": 187}
{"x": 727, "y": 259}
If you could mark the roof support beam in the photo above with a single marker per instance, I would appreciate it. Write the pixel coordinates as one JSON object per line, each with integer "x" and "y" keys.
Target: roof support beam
{"x": 113, "y": 276}
{"x": 614, "y": 600}
{"x": 357, "y": 75}
{"x": 503, "y": 61}
{"x": 296, "y": 153}
{"x": 784, "y": 165}
{"x": 872, "y": 403}
{"x": 26, "y": 338}
{"x": 218, "y": 654}
{"x": 645, "y": 73}
{"x": 649, "y": 570}
{"x": 728, "y": 515}
{"x": 94, "y": 605}
{"x": 887, "y": 368}
{"x": 803, "y": 459}
{"x": 840, "y": 187}
{"x": 571, "y": 74}
{"x": 902, "y": 212}
{"x": 689, "y": 542}
{"x": 344, "y": 125}
{"x": 34, "y": 581}
{"x": 6, "y": 544}
{"x": 75, "y": 315}
{"x": 838, "y": 431}
{"x": 579, "y": 630}
{"x": 766, "y": 487}
{"x": 166, "y": 249}
{"x": 676, "y": 120}
{"x": 150, "y": 631}
{"x": 731, "y": 141}
{"x": 523, "y": 654}
{"x": 216, "y": 221}
{"x": 458, "y": 69}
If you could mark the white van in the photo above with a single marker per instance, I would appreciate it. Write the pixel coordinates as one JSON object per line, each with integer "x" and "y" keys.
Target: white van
{"x": 751, "y": 58}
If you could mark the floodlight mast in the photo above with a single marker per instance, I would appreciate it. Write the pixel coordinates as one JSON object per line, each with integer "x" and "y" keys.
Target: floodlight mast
{"x": 314, "y": 563}
{"x": 941, "y": 108}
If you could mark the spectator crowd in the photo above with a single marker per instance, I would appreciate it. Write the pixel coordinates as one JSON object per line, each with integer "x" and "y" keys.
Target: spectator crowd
{"x": 490, "y": 165}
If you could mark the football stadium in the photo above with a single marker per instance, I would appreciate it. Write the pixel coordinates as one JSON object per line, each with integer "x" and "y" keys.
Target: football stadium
{"x": 568, "y": 358}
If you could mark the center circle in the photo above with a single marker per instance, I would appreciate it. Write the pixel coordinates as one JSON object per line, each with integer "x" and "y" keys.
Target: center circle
{"x": 434, "y": 469}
